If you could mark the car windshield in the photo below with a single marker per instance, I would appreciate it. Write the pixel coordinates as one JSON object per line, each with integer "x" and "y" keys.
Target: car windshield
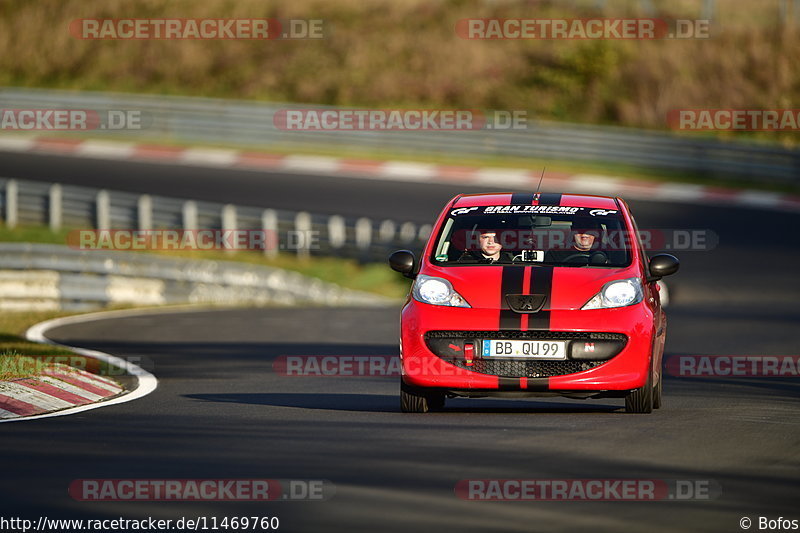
{"x": 528, "y": 234}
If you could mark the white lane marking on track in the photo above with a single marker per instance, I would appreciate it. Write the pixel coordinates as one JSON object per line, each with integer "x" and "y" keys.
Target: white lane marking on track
{"x": 502, "y": 176}
{"x": 310, "y": 163}
{"x": 212, "y": 157}
{"x": 594, "y": 183}
{"x": 759, "y": 198}
{"x": 679, "y": 191}
{"x": 33, "y": 396}
{"x": 106, "y": 149}
{"x": 409, "y": 171}
{"x": 17, "y": 144}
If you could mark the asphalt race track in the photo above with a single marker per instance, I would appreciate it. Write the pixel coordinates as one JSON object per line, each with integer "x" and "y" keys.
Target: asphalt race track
{"x": 221, "y": 412}
{"x": 316, "y": 193}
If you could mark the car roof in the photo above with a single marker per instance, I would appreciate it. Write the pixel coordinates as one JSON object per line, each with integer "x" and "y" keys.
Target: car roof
{"x": 545, "y": 198}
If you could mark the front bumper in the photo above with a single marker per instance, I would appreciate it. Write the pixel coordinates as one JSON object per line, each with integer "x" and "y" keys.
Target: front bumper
{"x": 626, "y": 370}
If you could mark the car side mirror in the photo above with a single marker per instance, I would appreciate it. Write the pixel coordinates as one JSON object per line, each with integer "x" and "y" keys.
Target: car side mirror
{"x": 403, "y": 261}
{"x": 662, "y": 265}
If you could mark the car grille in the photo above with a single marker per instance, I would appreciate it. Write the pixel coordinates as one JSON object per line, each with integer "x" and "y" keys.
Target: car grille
{"x": 520, "y": 368}
{"x": 526, "y": 369}
{"x": 522, "y": 335}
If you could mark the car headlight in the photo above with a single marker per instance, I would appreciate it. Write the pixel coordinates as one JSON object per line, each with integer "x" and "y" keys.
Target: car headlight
{"x": 618, "y": 293}
{"x": 436, "y": 291}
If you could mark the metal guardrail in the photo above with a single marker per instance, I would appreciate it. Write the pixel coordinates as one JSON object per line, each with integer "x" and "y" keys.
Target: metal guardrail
{"x": 32, "y": 203}
{"x": 221, "y": 121}
{"x": 51, "y": 277}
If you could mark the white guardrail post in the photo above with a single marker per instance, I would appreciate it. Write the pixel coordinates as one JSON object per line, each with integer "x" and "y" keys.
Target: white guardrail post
{"x": 189, "y": 215}
{"x": 363, "y": 236}
{"x": 229, "y": 222}
{"x": 12, "y": 197}
{"x": 386, "y": 231}
{"x": 424, "y": 232}
{"x": 408, "y": 232}
{"x": 269, "y": 223}
{"x": 54, "y": 212}
{"x": 337, "y": 232}
{"x": 144, "y": 212}
{"x": 302, "y": 238}
{"x": 103, "y": 207}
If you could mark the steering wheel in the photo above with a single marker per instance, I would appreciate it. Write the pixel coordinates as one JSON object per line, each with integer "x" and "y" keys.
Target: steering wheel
{"x": 576, "y": 256}
{"x": 595, "y": 258}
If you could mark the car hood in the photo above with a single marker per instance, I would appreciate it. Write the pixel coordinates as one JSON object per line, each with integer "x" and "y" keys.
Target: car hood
{"x": 485, "y": 286}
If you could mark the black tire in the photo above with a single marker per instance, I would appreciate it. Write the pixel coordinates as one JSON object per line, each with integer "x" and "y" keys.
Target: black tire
{"x": 641, "y": 400}
{"x": 416, "y": 400}
{"x": 658, "y": 391}
{"x": 436, "y": 401}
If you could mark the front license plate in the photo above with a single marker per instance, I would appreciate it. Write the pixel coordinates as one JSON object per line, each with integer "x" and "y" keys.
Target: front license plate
{"x": 526, "y": 349}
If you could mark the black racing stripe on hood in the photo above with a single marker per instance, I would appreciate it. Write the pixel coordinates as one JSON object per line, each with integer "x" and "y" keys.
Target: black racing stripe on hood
{"x": 522, "y": 198}
{"x": 512, "y": 281}
{"x": 504, "y": 383}
{"x": 550, "y": 198}
{"x": 541, "y": 283}
{"x": 515, "y": 384}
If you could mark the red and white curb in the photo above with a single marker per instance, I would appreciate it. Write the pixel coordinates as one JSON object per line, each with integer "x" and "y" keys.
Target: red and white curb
{"x": 56, "y": 403}
{"x": 58, "y": 387}
{"x": 405, "y": 171}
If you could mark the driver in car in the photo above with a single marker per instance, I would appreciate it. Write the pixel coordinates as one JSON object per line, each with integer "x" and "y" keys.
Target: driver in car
{"x": 582, "y": 245}
{"x": 490, "y": 250}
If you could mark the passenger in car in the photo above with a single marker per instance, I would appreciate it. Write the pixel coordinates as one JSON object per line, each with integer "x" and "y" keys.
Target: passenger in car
{"x": 490, "y": 250}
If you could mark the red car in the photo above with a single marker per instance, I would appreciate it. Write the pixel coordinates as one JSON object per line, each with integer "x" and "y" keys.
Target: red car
{"x": 524, "y": 294}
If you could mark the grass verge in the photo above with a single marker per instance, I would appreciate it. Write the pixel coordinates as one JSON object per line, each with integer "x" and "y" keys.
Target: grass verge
{"x": 15, "y": 349}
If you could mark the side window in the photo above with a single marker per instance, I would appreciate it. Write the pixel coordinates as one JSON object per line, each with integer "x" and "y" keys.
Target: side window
{"x": 643, "y": 254}
{"x": 443, "y": 245}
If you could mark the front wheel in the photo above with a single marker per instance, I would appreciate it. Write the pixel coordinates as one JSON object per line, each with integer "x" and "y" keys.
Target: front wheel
{"x": 641, "y": 400}
{"x": 658, "y": 391}
{"x": 417, "y": 400}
